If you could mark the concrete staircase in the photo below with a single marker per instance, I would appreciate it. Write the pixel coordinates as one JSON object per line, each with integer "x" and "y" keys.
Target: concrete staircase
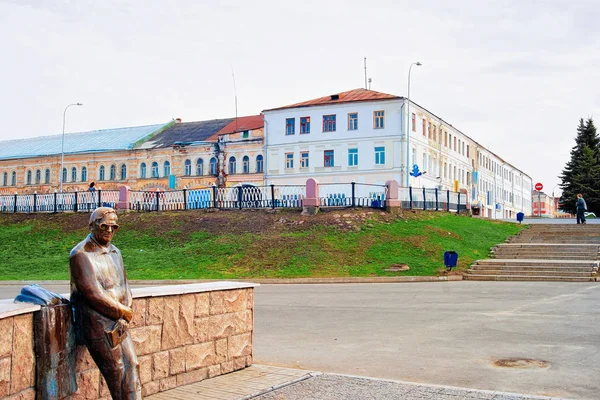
{"x": 567, "y": 253}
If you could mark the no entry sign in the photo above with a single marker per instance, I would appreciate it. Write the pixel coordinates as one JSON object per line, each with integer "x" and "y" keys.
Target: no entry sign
{"x": 539, "y": 186}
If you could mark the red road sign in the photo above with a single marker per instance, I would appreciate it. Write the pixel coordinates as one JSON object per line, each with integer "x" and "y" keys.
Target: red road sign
{"x": 539, "y": 186}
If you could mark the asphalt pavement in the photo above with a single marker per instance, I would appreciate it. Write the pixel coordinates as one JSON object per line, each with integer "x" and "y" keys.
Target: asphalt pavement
{"x": 537, "y": 338}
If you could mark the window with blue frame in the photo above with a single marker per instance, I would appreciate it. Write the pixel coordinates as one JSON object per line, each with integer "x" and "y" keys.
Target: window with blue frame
{"x": 143, "y": 170}
{"x": 113, "y": 172}
{"x": 38, "y": 177}
{"x": 232, "y": 165}
{"x": 199, "y": 167}
{"x": 352, "y": 157}
{"x": 329, "y": 123}
{"x": 213, "y": 166}
{"x": 305, "y": 125}
{"x": 379, "y": 155}
{"x": 13, "y": 179}
{"x": 101, "y": 174}
{"x": 328, "y": 158}
{"x": 304, "y": 159}
{"x": 73, "y": 174}
{"x": 352, "y": 121}
{"x": 259, "y": 163}
{"x": 29, "y": 177}
{"x": 246, "y": 165}
{"x": 123, "y": 172}
{"x": 289, "y": 160}
{"x": 187, "y": 167}
{"x": 166, "y": 168}
{"x": 154, "y": 172}
{"x": 290, "y": 126}
{"x": 83, "y": 174}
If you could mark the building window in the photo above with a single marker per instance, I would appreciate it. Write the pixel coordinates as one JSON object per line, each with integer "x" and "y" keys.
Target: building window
{"x": 328, "y": 158}
{"x": 454, "y": 143}
{"x": 83, "y": 174}
{"x": 73, "y": 174}
{"x": 328, "y": 123}
{"x": 414, "y": 122}
{"x": 289, "y": 160}
{"x": 38, "y": 177}
{"x": 246, "y": 164}
{"x": 259, "y": 163}
{"x": 101, "y": 173}
{"x": 47, "y": 177}
{"x": 424, "y": 127}
{"x": 113, "y": 172}
{"x": 304, "y": 159}
{"x": 352, "y": 157}
{"x": 352, "y": 121}
{"x": 199, "y": 167}
{"x": 123, "y": 172}
{"x": 143, "y": 171}
{"x": 154, "y": 170}
{"x": 232, "y": 165}
{"x": 166, "y": 168}
{"x": 435, "y": 133}
{"x": 213, "y": 166}
{"x": 305, "y": 125}
{"x": 5, "y": 179}
{"x": 245, "y": 134}
{"x": 414, "y": 155}
{"x": 28, "y": 177}
{"x": 378, "y": 119}
{"x": 379, "y": 155}
{"x": 187, "y": 168}
{"x": 446, "y": 139}
{"x": 64, "y": 175}
{"x": 13, "y": 179}
{"x": 290, "y": 126}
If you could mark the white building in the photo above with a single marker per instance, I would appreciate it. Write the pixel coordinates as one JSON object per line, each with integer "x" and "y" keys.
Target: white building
{"x": 360, "y": 135}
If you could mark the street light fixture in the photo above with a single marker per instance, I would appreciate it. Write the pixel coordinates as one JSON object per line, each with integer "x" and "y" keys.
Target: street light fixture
{"x": 408, "y": 118}
{"x": 62, "y": 148}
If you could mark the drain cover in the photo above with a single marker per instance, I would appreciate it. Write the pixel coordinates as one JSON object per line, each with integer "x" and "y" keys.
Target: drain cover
{"x": 521, "y": 363}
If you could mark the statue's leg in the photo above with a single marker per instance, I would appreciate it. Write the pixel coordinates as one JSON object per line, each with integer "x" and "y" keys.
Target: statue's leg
{"x": 131, "y": 388}
{"x": 110, "y": 363}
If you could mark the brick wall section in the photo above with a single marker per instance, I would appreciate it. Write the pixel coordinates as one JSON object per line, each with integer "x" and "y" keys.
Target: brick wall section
{"x": 179, "y": 339}
{"x": 17, "y": 360}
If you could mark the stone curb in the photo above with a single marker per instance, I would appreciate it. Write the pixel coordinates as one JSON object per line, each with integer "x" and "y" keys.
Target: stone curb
{"x": 374, "y": 279}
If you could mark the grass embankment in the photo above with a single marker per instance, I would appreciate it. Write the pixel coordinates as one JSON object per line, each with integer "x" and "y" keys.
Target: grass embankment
{"x": 222, "y": 245}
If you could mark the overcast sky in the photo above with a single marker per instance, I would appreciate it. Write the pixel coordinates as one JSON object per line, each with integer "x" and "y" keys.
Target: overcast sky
{"x": 515, "y": 75}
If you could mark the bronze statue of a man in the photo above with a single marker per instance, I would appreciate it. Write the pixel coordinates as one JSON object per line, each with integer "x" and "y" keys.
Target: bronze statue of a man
{"x": 102, "y": 304}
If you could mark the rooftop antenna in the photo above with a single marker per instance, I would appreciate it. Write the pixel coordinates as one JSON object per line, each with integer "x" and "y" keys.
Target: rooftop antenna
{"x": 366, "y": 73}
{"x": 235, "y": 94}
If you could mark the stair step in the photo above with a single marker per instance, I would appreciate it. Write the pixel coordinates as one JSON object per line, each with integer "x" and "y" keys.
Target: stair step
{"x": 476, "y": 267}
{"x": 536, "y": 272}
{"x": 534, "y": 262}
{"x": 473, "y": 277}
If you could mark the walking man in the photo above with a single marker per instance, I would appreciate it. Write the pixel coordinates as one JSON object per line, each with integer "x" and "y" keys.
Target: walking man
{"x": 581, "y": 209}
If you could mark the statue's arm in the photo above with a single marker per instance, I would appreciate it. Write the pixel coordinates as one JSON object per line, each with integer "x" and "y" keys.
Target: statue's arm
{"x": 84, "y": 277}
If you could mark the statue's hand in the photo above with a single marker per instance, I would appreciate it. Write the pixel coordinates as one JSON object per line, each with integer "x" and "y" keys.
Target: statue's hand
{"x": 127, "y": 314}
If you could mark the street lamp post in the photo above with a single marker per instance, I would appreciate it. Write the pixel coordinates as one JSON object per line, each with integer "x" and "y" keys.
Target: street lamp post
{"x": 62, "y": 147}
{"x": 408, "y": 122}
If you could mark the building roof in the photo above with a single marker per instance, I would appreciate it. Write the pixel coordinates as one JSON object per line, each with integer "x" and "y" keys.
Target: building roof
{"x": 186, "y": 133}
{"x": 343, "y": 97}
{"x": 82, "y": 142}
{"x": 243, "y": 124}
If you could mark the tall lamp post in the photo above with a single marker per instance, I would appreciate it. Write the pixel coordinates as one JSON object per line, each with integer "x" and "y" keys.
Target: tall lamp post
{"x": 62, "y": 147}
{"x": 408, "y": 122}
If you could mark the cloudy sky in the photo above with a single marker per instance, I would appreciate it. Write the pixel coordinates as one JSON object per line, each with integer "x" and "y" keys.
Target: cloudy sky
{"x": 515, "y": 75}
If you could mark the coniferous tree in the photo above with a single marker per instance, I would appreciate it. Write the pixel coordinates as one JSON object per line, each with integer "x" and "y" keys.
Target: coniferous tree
{"x": 582, "y": 172}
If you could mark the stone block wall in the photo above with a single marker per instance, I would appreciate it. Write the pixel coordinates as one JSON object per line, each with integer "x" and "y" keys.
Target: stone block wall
{"x": 200, "y": 333}
{"x": 17, "y": 360}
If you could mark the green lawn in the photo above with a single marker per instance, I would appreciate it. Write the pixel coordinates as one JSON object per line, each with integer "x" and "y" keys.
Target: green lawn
{"x": 38, "y": 248}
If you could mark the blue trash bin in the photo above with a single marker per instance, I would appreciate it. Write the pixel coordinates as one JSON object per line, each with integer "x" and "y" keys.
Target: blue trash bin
{"x": 450, "y": 259}
{"x": 520, "y": 216}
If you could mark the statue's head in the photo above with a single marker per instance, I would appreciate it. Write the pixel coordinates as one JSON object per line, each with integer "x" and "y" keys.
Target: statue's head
{"x": 103, "y": 224}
